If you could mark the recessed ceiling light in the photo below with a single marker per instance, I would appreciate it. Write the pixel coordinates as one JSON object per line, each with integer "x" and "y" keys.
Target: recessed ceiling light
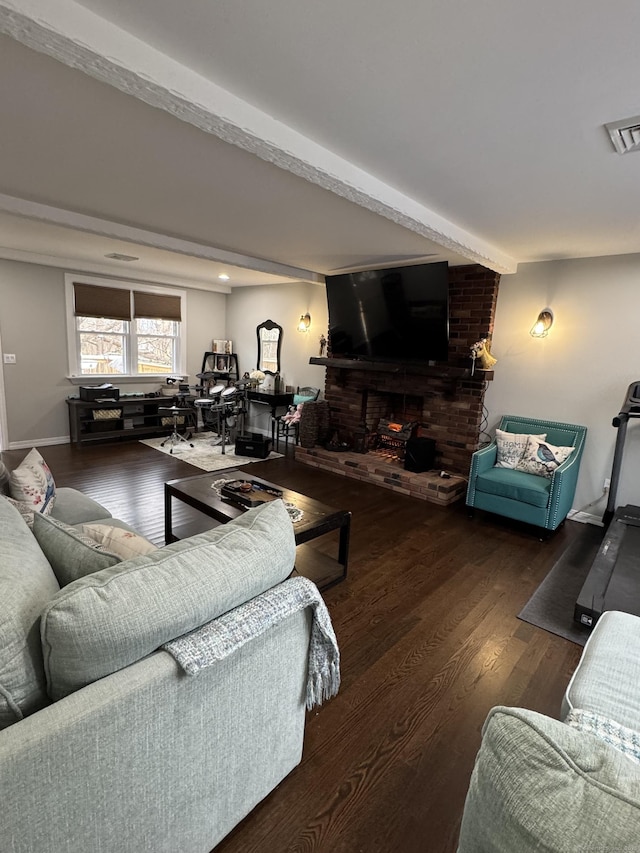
{"x": 223, "y": 277}
{"x": 117, "y": 256}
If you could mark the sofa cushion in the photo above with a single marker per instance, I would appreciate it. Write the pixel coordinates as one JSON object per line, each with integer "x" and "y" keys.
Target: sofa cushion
{"x": 511, "y": 447}
{"x": 542, "y": 458}
{"x": 124, "y": 543}
{"x": 517, "y": 485}
{"x": 107, "y": 620}
{"x": 73, "y": 507}
{"x": 32, "y": 483}
{"x": 541, "y": 785}
{"x": 70, "y": 552}
{"x": 606, "y": 680}
{"x": 26, "y": 585}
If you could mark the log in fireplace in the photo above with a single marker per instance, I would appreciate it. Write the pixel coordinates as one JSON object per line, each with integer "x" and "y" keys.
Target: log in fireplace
{"x": 393, "y": 436}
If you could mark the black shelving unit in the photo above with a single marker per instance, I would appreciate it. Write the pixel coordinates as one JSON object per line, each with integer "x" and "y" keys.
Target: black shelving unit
{"x": 138, "y": 417}
{"x": 224, "y": 366}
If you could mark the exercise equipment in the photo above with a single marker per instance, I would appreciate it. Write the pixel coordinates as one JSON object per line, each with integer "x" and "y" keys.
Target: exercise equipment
{"x": 613, "y": 582}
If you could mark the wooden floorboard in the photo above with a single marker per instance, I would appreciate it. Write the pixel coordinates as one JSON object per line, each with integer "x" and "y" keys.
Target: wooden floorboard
{"x": 429, "y": 642}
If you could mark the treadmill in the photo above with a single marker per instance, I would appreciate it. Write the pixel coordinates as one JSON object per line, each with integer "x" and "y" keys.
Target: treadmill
{"x": 613, "y": 582}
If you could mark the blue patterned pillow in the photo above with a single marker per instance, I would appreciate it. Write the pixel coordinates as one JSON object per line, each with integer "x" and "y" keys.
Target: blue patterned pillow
{"x": 542, "y": 458}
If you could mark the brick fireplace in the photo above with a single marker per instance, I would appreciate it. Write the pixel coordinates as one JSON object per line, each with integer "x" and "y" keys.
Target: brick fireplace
{"x": 445, "y": 400}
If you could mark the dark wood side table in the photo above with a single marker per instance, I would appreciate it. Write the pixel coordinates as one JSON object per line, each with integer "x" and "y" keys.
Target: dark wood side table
{"x": 318, "y": 519}
{"x": 276, "y": 400}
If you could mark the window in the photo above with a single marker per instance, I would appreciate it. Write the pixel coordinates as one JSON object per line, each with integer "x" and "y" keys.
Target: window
{"x": 116, "y": 331}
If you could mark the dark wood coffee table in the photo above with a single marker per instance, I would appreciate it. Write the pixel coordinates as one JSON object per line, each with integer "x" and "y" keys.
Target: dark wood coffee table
{"x": 318, "y": 519}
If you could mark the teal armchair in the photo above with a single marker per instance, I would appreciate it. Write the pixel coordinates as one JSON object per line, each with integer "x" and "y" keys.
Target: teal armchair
{"x": 522, "y": 496}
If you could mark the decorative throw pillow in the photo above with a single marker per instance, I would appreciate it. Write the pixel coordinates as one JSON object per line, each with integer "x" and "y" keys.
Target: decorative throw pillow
{"x": 26, "y": 585}
{"x": 302, "y": 398}
{"x": 624, "y": 739}
{"x": 511, "y": 447}
{"x": 71, "y": 553}
{"x": 124, "y": 543}
{"x": 110, "y": 619}
{"x": 542, "y": 458}
{"x": 32, "y": 483}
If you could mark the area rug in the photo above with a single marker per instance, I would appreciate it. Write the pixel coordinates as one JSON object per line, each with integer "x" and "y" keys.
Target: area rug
{"x": 203, "y": 454}
{"x": 551, "y": 605}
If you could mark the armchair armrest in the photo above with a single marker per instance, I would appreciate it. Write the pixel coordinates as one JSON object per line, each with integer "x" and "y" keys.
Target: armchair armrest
{"x": 482, "y": 460}
{"x": 563, "y": 489}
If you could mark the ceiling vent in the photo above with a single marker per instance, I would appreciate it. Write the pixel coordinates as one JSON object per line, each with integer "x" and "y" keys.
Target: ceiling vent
{"x": 625, "y": 134}
{"x": 118, "y": 256}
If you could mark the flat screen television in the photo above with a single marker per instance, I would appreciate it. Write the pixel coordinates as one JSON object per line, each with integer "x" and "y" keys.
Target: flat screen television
{"x": 399, "y": 314}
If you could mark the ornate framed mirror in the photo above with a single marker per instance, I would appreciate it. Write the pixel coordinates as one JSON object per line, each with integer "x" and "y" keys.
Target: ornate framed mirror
{"x": 269, "y": 343}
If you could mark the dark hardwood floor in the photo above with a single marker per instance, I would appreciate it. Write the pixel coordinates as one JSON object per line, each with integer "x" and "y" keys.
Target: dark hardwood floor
{"x": 429, "y": 641}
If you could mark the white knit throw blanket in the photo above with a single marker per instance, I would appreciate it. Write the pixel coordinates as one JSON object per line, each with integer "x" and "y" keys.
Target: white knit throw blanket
{"x": 223, "y": 636}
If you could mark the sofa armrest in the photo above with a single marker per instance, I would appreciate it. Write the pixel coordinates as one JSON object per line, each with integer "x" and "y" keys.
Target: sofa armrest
{"x": 151, "y": 759}
{"x": 539, "y": 784}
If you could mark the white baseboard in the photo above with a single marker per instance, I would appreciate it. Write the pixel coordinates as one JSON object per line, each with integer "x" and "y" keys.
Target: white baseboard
{"x": 38, "y": 442}
{"x": 585, "y": 517}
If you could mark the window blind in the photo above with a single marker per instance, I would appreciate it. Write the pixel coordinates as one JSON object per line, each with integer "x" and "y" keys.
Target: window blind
{"x": 114, "y": 303}
{"x": 156, "y": 306}
{"x": 94, "y": 301}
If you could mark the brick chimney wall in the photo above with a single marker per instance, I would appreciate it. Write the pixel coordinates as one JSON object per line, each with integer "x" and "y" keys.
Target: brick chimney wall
{"x": 452, "y": 410}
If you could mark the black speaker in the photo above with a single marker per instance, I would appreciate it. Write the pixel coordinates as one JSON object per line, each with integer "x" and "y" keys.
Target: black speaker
{"x": 253, "y": 444}
{"x": 420, "y": 455}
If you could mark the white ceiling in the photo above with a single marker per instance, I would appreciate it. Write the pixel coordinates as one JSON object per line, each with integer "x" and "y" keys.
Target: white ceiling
{"x": 282, "y": 141}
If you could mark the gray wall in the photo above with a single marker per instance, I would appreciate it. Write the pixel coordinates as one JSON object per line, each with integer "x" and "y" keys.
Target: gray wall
{"x": 33, "y": 326}
{"x": 581, "y": 371}
{"x": 247, "y": 307}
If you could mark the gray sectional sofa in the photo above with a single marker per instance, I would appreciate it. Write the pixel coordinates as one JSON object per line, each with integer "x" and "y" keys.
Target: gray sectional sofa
{"x": 559, "y": 786}
{"x": 106, "y": 744}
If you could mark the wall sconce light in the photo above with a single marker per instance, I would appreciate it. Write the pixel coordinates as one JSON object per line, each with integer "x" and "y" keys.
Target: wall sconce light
{"x": 540, "y": 328}
{"x": 304, "y": 323}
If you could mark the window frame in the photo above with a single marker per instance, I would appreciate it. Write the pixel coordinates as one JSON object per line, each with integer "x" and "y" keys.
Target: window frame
{"x": 73, "y": 340}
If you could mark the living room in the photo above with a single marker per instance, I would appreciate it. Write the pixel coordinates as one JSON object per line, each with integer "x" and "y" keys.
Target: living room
{"x": 116, "y": 147}
{"x": 578, "y": 374}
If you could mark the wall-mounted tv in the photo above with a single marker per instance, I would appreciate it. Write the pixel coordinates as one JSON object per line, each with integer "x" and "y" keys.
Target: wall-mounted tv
{"x": 399, "y": 314}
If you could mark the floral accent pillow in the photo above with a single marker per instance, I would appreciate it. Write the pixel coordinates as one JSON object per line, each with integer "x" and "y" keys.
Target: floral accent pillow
{"x": 25, "y": 509}
{"x": 32, "y": 483}
{"x": 511, "y": 447}
{"x": 125, "y": 543}
{"x": 542, "y": 458}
